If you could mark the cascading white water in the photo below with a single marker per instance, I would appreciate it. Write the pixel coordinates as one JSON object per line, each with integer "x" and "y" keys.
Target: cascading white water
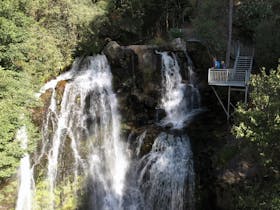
{"x": 163, "y": 178}
{"x": 195, "y": 95}
{"x": 24, "y": 200}
{"x": 140, "y": 143}
{"x": 88, "y": 122}
{"x": 81, "y": 137}
{"x": 173, "y": 92}
{"x": 166, "y": 176}
{"x": 179, "y": 101}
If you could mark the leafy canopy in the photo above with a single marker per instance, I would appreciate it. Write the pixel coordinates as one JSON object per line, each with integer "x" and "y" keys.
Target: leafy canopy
{"x": 260, "y": 123}
{"x": 15, "y": 97}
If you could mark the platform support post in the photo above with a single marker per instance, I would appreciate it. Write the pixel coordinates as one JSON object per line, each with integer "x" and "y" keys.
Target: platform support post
{"x": 228, "y": 105}
{"x": 220, "y": 101}
{"x": 246, "y": 95}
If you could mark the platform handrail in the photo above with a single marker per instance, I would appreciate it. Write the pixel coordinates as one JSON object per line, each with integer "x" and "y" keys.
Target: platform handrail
{"x": 220, "y": 75}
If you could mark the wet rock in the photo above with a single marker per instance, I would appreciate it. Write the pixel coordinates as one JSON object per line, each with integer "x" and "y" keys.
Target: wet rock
{"x": 160, "y": 114}
{"x": 202, "y": 61}
{"x": 178, "y": 44}
{"x": 147, "y": 72}
{"x": 113, "y": 51}
{"x": 60, "y": 90}
{"x": 38, "y": 113}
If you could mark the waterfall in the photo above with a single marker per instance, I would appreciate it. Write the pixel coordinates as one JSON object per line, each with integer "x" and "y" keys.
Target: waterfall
{"x": 195, "y": 95}
{"x": 24, "y": 199}
{"x": 82, "y": 145}
{"x": 166, "y": 179}
{"x": 81, "y": 132}
{"x": 163, "y": 178}
{"x": 140, "y": 140}
{"x": 180, "y": 101}
{"x": 166, "y": 176}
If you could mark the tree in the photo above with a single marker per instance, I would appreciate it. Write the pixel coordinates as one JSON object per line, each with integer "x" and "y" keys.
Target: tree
{"x": 257, "y": 22}
{"x": 138, "y": 20}
{"x": 229, "y": 32}
{"x": 260, "y": 123}
{"x": 210, "y": 25}
{"x": 15, "y": 96}
{"x": 249, "y": 14}
{"x": 267, "y": 39}
{"x": 37, "y": 41}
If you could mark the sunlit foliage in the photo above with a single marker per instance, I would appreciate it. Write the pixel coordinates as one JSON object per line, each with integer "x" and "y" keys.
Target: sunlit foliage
{"x": 260, "y": 122}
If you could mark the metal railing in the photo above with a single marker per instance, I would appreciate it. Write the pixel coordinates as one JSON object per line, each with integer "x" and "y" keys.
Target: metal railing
{"x": 220, "y": 75}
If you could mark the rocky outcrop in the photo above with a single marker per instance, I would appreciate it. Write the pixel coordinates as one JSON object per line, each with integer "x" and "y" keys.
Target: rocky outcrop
{"x": 137, "y": 77}
{"x": 179, "y": 44}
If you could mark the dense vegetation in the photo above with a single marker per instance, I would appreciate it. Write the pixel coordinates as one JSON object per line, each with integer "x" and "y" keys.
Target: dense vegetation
{"x": 37, "y": 41}
{"x": 260, "y": 122}
{"x": 40, "y": 38}
{"x": 255, "y": 23}
{"x": 258, "y": 127}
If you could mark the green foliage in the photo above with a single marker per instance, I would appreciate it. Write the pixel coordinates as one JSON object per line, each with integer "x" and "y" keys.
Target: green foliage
{"x": 176, "y": 33}
{"x": 267, "y": 38}
{"x": 250, "y": 13}
{"x": 226, "y": 154}
{"x": 138, "y": 20}
{"x": 260, "y": 122}
{"x": 159, "y": 41}
{"x": 257, "y": 21}
{"x": 92, "y": 29}
{"x": 66, "y": 195}
{"x": 38, "y": 39}
{"x": 8, "y": 193}
{"x": 13, "y": 26}
{"x": 211, "y": 25}
{"x": 16, "y": 95}
{"x": 254, "y": 195}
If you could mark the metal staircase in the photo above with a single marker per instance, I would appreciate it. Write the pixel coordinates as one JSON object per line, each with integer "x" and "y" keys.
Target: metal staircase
{"x": 242, "y": 68}
{"x": 236, "y": 79}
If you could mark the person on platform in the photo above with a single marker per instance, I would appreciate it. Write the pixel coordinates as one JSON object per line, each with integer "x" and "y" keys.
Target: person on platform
{"x": 216, "y": 63}
{"x": 223, "y": 65}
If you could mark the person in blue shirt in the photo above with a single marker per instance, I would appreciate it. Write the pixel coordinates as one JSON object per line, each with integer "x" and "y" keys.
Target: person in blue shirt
{"x": 216, "y": 63}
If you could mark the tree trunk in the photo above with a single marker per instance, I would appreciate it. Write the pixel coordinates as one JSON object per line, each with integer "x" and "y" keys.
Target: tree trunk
{"x": 197, "y": 4}
{"x": 229, "y": 32}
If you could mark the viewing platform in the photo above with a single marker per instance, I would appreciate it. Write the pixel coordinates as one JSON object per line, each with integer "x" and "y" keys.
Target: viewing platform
{"x": 238, "y": 76}
{"x": 236, "y": 79}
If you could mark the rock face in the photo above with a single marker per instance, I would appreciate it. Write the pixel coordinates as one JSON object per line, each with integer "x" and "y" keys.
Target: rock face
{"x": 131, "y": 67}
{"x": 202, "y": 60}
{"x": 179, "y": 45}
{"x": 137, "y": 77}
